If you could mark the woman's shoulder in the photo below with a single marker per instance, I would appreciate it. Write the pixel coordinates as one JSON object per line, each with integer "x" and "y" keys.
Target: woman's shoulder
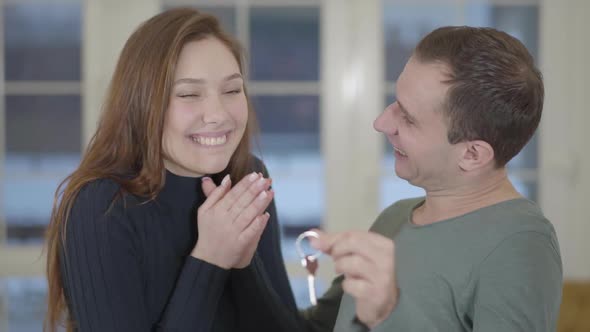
{"x": 104, "y": 196}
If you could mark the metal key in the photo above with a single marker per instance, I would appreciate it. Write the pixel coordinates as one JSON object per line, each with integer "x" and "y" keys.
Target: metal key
{"x": 310, "y": 263}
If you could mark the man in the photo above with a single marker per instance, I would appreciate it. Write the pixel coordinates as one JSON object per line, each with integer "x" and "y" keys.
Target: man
{"x": 473, "y": 254}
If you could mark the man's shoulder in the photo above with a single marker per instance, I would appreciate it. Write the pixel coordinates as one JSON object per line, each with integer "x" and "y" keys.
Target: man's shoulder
{"x": 392, "y": 217}
{"x": 514, "y": 216}
{"x": 401, "y": 206}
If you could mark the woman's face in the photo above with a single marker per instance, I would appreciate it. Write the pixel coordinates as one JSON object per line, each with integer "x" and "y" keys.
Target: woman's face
{"x": 208, "y": 111}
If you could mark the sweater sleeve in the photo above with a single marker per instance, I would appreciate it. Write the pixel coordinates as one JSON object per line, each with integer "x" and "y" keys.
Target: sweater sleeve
{"x": 103, "y": 277}
{"x": 519, "y": 285}
{"x": 270, "y": 252}
{"x": 261, "y": 309}
{"x": 264, "y": 289}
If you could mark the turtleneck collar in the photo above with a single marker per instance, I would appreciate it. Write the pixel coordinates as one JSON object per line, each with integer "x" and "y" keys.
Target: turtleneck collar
{"x": 181, "y": 191}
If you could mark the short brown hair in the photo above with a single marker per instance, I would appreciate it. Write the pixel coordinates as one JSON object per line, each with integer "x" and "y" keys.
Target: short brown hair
{"x": 496, "y": 92}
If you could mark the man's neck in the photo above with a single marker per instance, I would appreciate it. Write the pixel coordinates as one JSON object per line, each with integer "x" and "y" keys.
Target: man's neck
{"x": 448, "y": 203}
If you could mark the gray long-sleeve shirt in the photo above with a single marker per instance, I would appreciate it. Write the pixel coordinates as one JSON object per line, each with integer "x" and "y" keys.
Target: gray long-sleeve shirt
{"x": 494, "y": 269}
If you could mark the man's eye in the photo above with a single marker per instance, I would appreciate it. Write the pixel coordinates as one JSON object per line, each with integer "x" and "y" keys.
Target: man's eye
{"x": 407, "y": 120}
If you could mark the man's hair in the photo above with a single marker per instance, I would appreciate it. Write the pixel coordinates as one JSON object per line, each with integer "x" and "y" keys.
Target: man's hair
{"x": 496, "y": 92}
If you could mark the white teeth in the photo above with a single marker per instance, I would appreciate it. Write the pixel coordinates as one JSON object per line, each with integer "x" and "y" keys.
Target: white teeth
{"x": 400, "y": 152}
{"x": 209, "y": 141}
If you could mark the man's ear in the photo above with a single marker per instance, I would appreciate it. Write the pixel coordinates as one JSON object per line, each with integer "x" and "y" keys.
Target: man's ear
{"x": 475, "y": 155}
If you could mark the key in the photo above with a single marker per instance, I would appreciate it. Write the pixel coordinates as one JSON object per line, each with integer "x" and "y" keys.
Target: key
{"x": 311, "y": 264}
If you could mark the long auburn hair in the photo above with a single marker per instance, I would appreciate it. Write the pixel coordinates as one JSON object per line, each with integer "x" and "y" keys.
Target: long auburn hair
{"x": 127, "y": 145}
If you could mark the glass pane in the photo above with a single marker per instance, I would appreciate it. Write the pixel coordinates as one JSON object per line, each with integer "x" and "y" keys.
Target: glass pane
{"x": 284, "y": 43}
{"x": 290, "y": 147}
{"x": 522, "y": 22}
{"x": 288, "y": 124}
{"x": 527, "y": 188}
{"x": 405, "y": 25}
{"x": 43, "y": 147}
{"x": 28, "y": 190}
{"x": 24, "y": 304}
{"x": 42, "y": 41}
{"x": 393, "y": 188}
{"x": 43, "y": 124}
{"x": 225, "y": 15}
{"x": 527, "y": 158}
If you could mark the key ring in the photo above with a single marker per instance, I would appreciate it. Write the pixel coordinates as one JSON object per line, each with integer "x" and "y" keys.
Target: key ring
{"x": 300, "y": 250}
{"x": 309, "y": 262}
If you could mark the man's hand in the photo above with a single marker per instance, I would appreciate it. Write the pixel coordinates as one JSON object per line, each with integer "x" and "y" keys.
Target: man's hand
{"x": 367, "y": 261}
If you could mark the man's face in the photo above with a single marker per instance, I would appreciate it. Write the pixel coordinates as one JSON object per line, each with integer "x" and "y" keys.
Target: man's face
{"x": 417, "y": 129}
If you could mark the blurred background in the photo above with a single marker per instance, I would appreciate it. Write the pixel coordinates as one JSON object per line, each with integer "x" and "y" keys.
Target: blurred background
{"x": 318, "y": 73}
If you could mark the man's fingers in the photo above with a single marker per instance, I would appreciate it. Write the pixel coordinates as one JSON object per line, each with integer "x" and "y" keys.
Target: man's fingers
{"x": 357, "y": 288}
{"x": 355, "y": 266}
{"x": 367, "y": 244}
{"x": 326, "y": 241}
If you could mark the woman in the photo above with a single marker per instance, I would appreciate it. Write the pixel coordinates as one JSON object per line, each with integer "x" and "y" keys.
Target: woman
{"x": 123, "y": 253}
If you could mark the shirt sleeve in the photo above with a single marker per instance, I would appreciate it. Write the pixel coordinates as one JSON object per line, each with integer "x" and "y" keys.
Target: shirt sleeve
{"x": 103, "y": 276}
{"x": 519, "y": 285}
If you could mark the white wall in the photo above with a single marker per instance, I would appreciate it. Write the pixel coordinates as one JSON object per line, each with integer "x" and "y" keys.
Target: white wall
{"x": 564, "y": 159}
{"x": 107, "y": 25}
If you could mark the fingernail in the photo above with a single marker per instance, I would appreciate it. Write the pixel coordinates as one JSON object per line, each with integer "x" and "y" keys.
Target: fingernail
{"x": 253, "y": 177}
{"x": 225, "y": 180}
{"x": 267, "y": 214}
{"x": 261, "y": 182}
{"x": 262, "y": 195}
{"x": 206, "y": 179}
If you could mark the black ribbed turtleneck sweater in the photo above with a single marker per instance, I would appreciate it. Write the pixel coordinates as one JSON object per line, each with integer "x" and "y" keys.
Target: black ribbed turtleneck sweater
{"x": 128, "y": 268}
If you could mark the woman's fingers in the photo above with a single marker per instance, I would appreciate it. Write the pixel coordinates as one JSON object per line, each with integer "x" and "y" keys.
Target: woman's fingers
{"x": 237, "y": 191}
{"x": 250, "y": 195}
{"x": 256, "y": 207}
{"x": 216, "y": 194}
{"x": 254, "y": 230}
